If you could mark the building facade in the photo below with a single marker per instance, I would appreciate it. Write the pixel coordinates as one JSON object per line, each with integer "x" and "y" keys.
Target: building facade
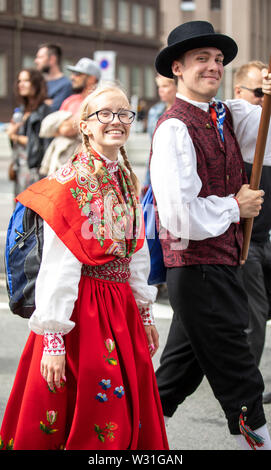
{"x": 131, "y": 28}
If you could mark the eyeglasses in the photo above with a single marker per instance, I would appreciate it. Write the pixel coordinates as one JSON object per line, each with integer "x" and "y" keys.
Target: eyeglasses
{"x": 258, "y": 92}
{"x": 105, "y": 116}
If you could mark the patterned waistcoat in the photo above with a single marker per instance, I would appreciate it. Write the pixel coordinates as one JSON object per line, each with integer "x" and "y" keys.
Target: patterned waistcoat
{"x": 220, "y": 167}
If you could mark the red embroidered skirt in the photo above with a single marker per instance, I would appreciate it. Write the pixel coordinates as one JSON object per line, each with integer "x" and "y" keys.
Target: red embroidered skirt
{"x": 110, "y": 400}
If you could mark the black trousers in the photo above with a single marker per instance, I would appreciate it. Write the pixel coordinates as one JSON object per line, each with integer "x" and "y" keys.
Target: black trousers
{"x": 207, "y": 337}
{"x": 257, "y": 280}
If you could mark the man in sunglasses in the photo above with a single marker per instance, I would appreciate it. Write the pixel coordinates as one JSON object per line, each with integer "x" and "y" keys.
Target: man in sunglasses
{"x": 257, "y": 269}
{"x": 248, "y": 82}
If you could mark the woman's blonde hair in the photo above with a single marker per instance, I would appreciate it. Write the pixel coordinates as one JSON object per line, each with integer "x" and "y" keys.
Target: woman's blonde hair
{"x": 85, "y": 110}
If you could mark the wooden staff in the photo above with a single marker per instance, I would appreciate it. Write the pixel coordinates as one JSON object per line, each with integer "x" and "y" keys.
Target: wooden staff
{"x": 257, "y": 165}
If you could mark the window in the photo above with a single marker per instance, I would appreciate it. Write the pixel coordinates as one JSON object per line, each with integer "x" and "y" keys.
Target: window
{"x": 149, "y": 18}
{"x": 149, "y": 83}
{"x": 188, "y": 5}
{"x": 123, "y": 16}
{"x": 28, "y": 61}
{"x": 85, "y": 11}
{"x": 29, "y": 7}
{"x": 137, "y": 26}
{"x": 136, "y": 80}
{"x": 3, "y": 75}
{"x": 123, "y": 77}
{"x": 68, "y": 11}
{"x": 215, "y": 4}
{"x": 49, "y": 9}
{"x": 108, "y": 14}
{"x": 3, "y": 5}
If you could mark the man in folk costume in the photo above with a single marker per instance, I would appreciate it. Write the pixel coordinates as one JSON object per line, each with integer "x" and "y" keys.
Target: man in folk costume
{"x": 201, "y": 192}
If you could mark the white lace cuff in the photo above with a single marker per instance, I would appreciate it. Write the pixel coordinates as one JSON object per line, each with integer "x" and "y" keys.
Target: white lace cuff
{"x": 53, "y": 344}
{"x": 146, "y": 315}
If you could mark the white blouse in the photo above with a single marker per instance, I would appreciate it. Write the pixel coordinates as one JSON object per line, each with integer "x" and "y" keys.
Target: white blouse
{"x": 58, "y": 280}
{"x": 176, "y": 183}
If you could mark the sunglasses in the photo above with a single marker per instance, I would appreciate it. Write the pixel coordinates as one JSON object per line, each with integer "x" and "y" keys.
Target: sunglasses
{"x": 258, "y": 92}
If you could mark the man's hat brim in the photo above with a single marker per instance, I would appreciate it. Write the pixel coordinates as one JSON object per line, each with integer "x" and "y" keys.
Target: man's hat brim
{"x": 167, "y": 55}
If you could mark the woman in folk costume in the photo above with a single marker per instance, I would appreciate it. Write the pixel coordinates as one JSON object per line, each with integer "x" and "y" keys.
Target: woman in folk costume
{"x": 79, "y": 382}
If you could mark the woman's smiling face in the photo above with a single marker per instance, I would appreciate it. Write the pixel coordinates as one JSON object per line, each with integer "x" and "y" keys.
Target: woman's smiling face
{"x": 107, "y": 138}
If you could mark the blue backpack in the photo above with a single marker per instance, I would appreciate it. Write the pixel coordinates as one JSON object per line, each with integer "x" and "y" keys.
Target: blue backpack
{"x": 23, "y": 254}
{"x": 158, "y": 270}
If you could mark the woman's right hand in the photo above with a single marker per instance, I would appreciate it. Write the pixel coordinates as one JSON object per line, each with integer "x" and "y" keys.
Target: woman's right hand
{"x": 52, "y": 369}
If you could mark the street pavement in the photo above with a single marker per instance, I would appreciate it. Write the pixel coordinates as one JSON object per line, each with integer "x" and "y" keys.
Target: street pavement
{"x": 198, "y": 424}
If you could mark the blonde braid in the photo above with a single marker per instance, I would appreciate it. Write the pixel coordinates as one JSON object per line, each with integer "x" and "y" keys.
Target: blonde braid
{"x": 133, "y": 177}
{"x": 86, "y": 145}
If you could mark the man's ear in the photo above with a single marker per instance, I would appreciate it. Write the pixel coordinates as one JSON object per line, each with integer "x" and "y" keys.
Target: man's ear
{"x": 237, "y": 92}
{"x": 176, "y": 68}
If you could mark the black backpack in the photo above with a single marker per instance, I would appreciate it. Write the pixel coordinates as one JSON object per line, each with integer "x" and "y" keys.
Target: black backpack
{"x": 23, "y": 255}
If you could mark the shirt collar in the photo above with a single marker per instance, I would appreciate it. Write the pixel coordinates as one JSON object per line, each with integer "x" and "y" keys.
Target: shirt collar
{"x": 199, "y": 104}
{"x": 112, "y": 166}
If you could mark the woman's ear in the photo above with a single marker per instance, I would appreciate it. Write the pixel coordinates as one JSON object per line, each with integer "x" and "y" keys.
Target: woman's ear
{"x": 84, "y": 127}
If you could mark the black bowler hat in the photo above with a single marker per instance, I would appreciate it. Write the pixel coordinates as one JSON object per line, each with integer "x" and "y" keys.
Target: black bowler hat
{"x": 189, "y": 36}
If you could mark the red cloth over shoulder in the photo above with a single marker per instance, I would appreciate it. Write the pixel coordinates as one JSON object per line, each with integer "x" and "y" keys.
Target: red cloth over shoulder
{"x": 95, "y": 218}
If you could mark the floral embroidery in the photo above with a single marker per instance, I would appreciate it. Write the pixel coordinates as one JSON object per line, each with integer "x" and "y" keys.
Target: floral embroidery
{"x": 117, "y": 270}
{"x": 110, "y": 346}
{"x": 9, "y": 445}
{"x": 51, "y": 419}
{"x": 106, "y": 432}
{"x": 146, "y": 315}
{"x": 102, "y": 397}
{"x": 106, "y": 200}
{"x": 119, "y": 391}
{"x": 65, "y": 173}
{"x": 53, "y": 344}
{"x": 55, "y": 389}
{"x": 105, "y": 384}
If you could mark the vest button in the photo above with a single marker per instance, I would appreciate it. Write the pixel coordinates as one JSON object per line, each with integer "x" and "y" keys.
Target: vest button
{"x": 227, "y": 177}
{"x": 208, "y": 126}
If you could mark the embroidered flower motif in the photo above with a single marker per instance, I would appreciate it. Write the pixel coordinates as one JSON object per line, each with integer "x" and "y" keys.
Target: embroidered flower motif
{"x": 9, "y": 445}
{"x": 101, "y": 397}
{"x": 64, "y": 174}
{"x": 51, "y": 419}
{"x": 80, "y": 197}
{"x": 105, "y": 384}
{"x": 106, "y": 432}
{"x": 119, "y": 391}
{"x": 110, "y": 346}
{"x": 61, "y": 389}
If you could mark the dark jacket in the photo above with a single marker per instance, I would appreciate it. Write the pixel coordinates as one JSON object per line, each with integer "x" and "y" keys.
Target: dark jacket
{"x": 36, "y": 146}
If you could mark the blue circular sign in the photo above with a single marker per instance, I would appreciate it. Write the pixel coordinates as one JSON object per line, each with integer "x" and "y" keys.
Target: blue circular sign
{"x": 104, "y": 64}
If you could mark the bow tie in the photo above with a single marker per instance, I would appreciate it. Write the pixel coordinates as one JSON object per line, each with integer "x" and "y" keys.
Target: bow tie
{"x": 218, "y": 114}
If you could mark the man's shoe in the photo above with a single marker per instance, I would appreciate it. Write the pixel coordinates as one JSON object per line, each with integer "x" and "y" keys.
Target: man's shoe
{"x": 267, "y": 397}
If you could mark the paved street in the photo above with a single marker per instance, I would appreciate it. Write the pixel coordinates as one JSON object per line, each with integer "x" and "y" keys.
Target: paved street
{"x": 199, "y": 423}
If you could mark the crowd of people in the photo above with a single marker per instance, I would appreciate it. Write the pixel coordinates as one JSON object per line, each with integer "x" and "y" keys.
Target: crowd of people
{"x": 79, "y": 382}
{"x": 46, "y": 134}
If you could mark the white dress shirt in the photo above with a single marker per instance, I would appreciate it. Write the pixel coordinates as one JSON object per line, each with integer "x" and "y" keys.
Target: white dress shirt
{"x": 176, "y": 183}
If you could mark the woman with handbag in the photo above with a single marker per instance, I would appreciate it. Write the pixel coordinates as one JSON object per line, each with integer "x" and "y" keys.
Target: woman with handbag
{"x": 28, "y": 147}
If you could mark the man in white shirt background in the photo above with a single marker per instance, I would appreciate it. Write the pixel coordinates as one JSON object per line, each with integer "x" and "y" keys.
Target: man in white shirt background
{"x": 257, "y": 269}
{"x": 201, "y": 192}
